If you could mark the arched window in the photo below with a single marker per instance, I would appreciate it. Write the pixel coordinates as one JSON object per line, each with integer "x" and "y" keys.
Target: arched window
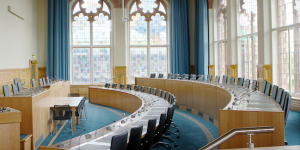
{"x": 148, "y": 44}
{"x": 248, "y": 40}
{"x": 221, "y": 40}
{"x": 91, "y": 41}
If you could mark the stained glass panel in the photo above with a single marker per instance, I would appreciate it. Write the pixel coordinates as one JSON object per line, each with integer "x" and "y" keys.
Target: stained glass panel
{"x": 148, "y": 5}
{"x": 288, "y": 12}
{"x": 81, "y": 65}
{"x": 283, "y": 59}
{"x": 222, "y": 20}
{"x": 138, "y": 63}
{"x": 101, "y": 30}
{"x": 81, "y": 30}
{"x": 138, "y": 30}
{"x": 91, "y": 5}
{"x": 159, "y": 60}
{"x": 101, "y": 66}
{"x": 158, "y": 30}
{"x": 248, "y": 17}
{"x": 222, "y": 58}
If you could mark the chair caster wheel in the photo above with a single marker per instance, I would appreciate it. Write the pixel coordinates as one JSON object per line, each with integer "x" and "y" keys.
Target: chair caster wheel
{"x": 176, "y": 145}
{"x": 286, "y": 143}
{"x": 177, "y": 130}
{"x": 177, "y": 136}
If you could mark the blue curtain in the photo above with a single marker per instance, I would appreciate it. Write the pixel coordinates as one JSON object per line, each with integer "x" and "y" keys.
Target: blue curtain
{"x": 58, "y": 39}
{"x": 201, "y": 38}
{"x": 179, "y": 37}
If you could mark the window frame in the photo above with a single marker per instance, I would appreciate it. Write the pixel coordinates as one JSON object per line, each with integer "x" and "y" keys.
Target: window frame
{"x": 91, "y": 46}
{"x": 148, "y": 45}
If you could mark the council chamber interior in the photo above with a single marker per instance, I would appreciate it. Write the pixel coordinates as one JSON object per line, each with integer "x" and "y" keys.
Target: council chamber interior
{"x": 150, "y": 74}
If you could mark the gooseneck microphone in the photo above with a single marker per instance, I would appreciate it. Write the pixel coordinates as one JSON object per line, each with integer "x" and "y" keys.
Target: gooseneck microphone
{"x": 102, "y": 127}
{"x": 60, "y": 145}
{"x": 3, "y": 108}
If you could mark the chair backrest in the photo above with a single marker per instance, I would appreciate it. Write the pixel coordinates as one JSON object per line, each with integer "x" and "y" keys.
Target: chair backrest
{"x": 142, "y": 89}
{"x": 41, "y": 82}
{"x": 14, "y": 88}
{"x": 185, "y": 77}
{"x": 47, "y": 80}
{"x": 59, "y": 116}
{"x": 152, "y": 75}
{"x": 286, "y": 107}
{"x": 135, "y": 138}
{"x": 159, "y": 93}
{"x": 209, "y": 78}
{"x": 122, "y": 86}
{"x": 279, "y": 94}
{"x": 128, "y": 86}
{"x": 44, "y": 81}
{"x": 172, "y": 99}
{"x": 268, "y": 89}
{"x": 154, "y": 91}
{"x": 232, "y": 80}
{"x": 6, "y": 91}
{"x": 149, "y": 90}
{"x": 20, "y": 86}
{"x": 16, "y": 80}
{"x": 225, "y": 78}
{"x": 263, "y": 87}
{"x": 170, "y": 75}
{"x": 173, "y": 110}
{"x": 254, "y": 85}
{"x": 168, "y": 97}
{"x": 160, "y": 75}
{"x": 164, "y": 95}
{"x": 283, "y": 99}
{"x": 176, "y": 76}
{"x": 247, "y": 83}
{"x": 150, "y": 134}
{"x": 136, "y": 87}
{"x": 274, "y": 91}
{"x": 33, "y": 83}
{"x": 161, "y": 126}
{"x": 114, "y": 85}
{"x": 201, "y": 78}
{"x": 240, "y": 82}
{"x": 107, "y": 85}
{"x": 168, "y": 119}
{"x": 193, "y": 77}
{"x": 119, "y": 142}
{"x": 217, "y": 79}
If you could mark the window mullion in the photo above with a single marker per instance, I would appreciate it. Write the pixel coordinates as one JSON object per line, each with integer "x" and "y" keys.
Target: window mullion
{"x": 91, "y": 53}
{"x": 290, "y": 69}
{"x": 148, "y": 48}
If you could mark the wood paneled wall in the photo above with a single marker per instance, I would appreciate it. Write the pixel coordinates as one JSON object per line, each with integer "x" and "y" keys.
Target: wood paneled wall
{"x": 42, "y": 72}
{"x": 7, "y": 76}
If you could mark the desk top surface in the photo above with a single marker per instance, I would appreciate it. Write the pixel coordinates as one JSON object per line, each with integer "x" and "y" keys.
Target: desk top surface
{"x": 72, "y": 101}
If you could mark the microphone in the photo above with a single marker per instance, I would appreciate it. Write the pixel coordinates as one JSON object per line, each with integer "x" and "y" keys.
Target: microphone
{"x": 101, "y": 127}
{"x": 3, "y": 108}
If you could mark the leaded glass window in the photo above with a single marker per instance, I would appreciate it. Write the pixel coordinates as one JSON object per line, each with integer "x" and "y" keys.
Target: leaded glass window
{"x": 91, "y": 41}
{"x": 148, "y": 48}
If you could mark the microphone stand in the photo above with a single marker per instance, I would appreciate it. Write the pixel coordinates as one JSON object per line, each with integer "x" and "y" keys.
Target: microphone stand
{"x": 60, "y": 145}
{"x": 101, "y": 127}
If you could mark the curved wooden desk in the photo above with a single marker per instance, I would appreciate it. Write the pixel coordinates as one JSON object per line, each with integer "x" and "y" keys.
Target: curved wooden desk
{"x": 211, "y": 102}
{"x": 129, "y": 101}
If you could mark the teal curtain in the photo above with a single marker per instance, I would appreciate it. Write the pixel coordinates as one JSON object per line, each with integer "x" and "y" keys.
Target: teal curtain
{"x": 179, "y": 37}
{"x": 201, "y": 37}
{"x": 58, "y": 39}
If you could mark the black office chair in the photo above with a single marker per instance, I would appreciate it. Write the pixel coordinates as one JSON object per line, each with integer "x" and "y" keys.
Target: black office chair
{"x": 160, "y": 75}
{"x": 264, "y": 85}
{"x": 41, "y": 82}
{"x": 84, "y": 108}
{"x": 20, "y": 86}
{"x": 247, "y": 83}
{"x": 232, "y": 80}
{"x": 44, "y": 81}
{"x": 286, "y": 110}
{"x": 136, "y": 88}
{"x": 159, "y": 93}
{"x": 59, "y": 116}
{"x": 149, "y": 90}
{"x": 119, "y": 142}
{"x": 164, "y": 95}
{"x": 114, "y": 85}
{"x": 6, "y": 91}
{"x": 154, "y": 91}
{"x": 170, "y": 75}
{"x": 142, "y": 89}
{"x": 135, "y": 138}
{"x": 147, "y": 141}
{"x": 107, "y": 85}
{"x": 240, "y": 82}
{"x": 274, "y": 91}
{"x": 128, "y": 87}
{"x": 122, "y": 86}
{"x": 225, "y": 79}
{"x": 33, "y": 83}
{"x": 47, "y": 80}
{"x": 283, "y": 98}
{"x": 268, "y": 89}
{"x": 167, "y": 126}
{"x": 14, "y": 88}
{"x": 254, "y": 85}
{"x": 279, "y": 94}
{"x": 77, "y": 113}
{"x": 172, "y": 114}
{"x": 16, "y": 80}
{"x": 159, "y": 133}
{"x": 152, "y": 75}
{"x": 168, "y": 97}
